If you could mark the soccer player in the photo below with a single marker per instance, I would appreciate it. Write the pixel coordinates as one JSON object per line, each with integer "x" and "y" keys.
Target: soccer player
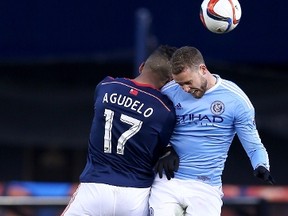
{"x": 210, "y": 111}
{"x": 132, "y": 124}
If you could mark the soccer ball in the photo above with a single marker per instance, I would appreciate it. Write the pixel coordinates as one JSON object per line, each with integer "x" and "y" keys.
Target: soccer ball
{"x": 220, "y": 16}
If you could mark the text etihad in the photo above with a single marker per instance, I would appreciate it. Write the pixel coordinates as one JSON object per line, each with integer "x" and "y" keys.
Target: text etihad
{"x": 127, "y": 102}
{"x": 198, "y": 119}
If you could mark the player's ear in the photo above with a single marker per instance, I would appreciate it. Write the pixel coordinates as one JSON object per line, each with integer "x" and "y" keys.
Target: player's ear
{"x": 203, "y": 69}
{"x": 141, "y": 67}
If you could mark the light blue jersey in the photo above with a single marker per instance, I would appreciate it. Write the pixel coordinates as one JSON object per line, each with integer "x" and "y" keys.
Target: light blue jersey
{"x": 206, "y": 127}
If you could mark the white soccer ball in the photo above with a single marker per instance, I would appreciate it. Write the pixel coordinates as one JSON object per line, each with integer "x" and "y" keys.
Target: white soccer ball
{"x": 220, "y": 16}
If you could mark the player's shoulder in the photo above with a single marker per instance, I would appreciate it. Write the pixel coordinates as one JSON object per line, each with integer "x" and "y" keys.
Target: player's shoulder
{"x": 109, "y": 79}
{"x": 173, "y": 91}
{"x": 170, "y": 86}
{"x": 236, "y": 92}
{"x": 232, "y": 87}
{"x": 105, "y": 83}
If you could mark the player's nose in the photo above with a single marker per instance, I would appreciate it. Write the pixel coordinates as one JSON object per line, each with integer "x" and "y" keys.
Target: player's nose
{"x": 186, "y": 88}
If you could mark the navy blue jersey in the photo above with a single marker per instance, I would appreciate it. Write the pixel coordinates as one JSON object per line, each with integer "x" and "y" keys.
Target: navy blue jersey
{"x": 132, "y": 124}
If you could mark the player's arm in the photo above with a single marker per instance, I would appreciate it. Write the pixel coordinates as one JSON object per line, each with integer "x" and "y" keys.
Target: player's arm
{"x": 251, "y": 142}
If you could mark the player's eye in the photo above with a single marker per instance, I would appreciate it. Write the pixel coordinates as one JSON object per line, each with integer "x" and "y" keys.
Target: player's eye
{"x": 185, "y": 83}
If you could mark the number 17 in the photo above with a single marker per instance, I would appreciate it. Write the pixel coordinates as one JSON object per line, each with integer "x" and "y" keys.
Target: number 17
{"x": 125, "y": 136}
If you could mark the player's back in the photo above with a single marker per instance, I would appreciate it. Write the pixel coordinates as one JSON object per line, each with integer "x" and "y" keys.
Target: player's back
{"x": 131, "y": 124}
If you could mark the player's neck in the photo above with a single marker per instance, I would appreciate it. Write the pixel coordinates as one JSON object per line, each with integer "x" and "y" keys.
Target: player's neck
{"x": 212, "y": 80}
{"x": 142, "y": 80}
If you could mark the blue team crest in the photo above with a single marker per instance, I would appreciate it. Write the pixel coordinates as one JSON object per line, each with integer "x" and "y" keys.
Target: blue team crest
{"x": 217, "y": 107}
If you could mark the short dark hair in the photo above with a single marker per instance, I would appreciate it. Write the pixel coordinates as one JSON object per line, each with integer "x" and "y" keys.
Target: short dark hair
{"x": 186, "y": 57}
{"x": 159, "y": 61}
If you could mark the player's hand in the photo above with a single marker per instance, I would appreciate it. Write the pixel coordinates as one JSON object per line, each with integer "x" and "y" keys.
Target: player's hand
{"x": 262, "y": 173}
{"x": 169, "y": 162}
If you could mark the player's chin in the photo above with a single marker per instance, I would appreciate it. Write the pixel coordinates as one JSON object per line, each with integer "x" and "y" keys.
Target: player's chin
{"x": 197, "y": 94}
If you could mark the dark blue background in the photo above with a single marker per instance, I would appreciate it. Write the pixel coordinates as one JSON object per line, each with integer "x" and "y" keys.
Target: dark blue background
{"x": 40, "y": 29}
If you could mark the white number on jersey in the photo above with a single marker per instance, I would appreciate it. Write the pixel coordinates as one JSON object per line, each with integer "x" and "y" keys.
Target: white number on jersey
{"x": 135, "y": 127}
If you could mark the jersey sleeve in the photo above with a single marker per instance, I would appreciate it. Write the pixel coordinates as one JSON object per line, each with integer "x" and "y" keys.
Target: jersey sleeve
{"x": 249, "y": 137}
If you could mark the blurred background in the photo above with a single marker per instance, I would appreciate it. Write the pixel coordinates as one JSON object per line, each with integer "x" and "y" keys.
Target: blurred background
{"x": 53, "y": 54}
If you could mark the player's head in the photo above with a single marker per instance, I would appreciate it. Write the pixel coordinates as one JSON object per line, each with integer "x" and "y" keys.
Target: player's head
{"x": 189, "y": 70}
{"x": 158, "y": 66}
